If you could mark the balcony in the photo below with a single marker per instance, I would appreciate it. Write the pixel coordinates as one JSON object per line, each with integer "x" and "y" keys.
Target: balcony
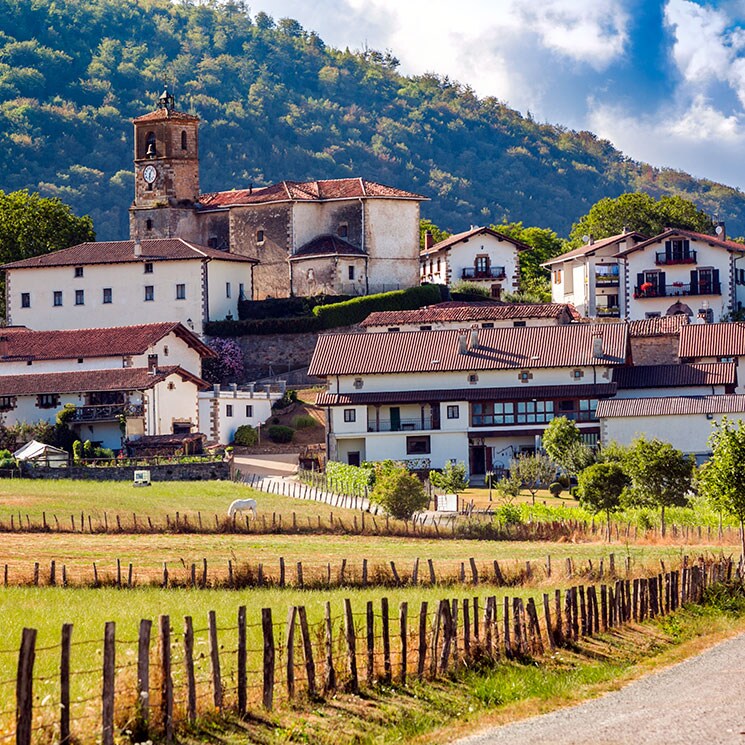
{"x": 663, "y": 258}
{"x": 677, "y": 289}
{"x": 403, "y": 425}
{"x": 606, "y": 312}
{"x": 107, "y": 412}
{"x": 606, "y": 280}
{"x": 493, "y": 272}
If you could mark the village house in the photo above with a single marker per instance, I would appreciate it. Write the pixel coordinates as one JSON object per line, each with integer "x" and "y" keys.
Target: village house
{"x": 457, "y": 314}
{"x": 590, "y": 277}
{"x": 479, "y": 255}
{"x": 655, "y": 341}
{"x": 348, "y": 236}
{"x": 116, "y": 282}
{"x": 716, "y": 342}
{"x": 478, "y": 396}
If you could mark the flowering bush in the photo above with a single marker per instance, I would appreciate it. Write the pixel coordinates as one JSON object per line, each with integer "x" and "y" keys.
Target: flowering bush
{"x": 227, "y": 366}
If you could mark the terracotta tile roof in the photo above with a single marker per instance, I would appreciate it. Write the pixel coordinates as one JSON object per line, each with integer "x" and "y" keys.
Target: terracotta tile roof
{"x": 118, "y": 341}
{"x": 464, "y": 236}
{"x": 670, "y": 406}
{"x": 673, "y": 376}
{"x": 307, "y": 191}
{"x": 661, "y": 326}
{"x": 712, "y": 240}
{"x": 464, "y": 312}
{"x": 325, "y": 245}
{"x": 166, "y": 115}
{"x": 87, "y": 381}
{"x": 123, "y": 252}
{"x": 589, "y": 248}
{"x": 712, "y": 340}
{"x": 567, "y": 345}
{"x": 512, "y": 393}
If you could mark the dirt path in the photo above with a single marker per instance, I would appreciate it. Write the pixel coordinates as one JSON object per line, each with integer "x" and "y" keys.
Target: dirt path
{"x": 700, "y": 700}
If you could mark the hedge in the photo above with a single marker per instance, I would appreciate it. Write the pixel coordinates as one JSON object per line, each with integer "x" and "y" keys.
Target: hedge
{"x": 359, "y": 308}
{"x": 265, "y": 327}
{"x": 284, "y": 307}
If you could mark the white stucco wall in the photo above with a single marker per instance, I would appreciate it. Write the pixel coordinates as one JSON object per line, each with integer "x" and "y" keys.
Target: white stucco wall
{"x": 457, "y": 325}
{"x": 219, "y": 275}
{"x": 501, "y": 254}
{"x": 444, "y": 446}
{"x": 392, "y": 242}
{"x": 172, "y": 400}
{"x": 227, "y": 425}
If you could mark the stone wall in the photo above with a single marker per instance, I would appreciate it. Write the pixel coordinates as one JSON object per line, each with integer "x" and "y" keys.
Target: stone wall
{"x": 214, "y": 471}
{"x": 655, "y": 350}
{"x": 275, "y": 354}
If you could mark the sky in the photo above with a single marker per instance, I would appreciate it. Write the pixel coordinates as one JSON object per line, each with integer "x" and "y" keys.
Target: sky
{"x": 664, "y": 81}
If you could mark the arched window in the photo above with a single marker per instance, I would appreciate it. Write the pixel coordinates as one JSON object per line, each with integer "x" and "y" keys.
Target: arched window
{"x": 149, "y": 224}
{"x": 150, "y": 151}
{"x": 183, "y": 140}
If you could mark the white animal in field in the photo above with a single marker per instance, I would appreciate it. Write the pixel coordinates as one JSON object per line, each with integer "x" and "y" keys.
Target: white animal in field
{"x": 242, "y": 505}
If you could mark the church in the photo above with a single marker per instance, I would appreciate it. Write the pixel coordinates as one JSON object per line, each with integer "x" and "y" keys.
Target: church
{"x": 345, "y": 236}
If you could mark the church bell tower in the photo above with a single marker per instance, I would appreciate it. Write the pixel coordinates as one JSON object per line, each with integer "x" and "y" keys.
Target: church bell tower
{"x": 166, "y": 164}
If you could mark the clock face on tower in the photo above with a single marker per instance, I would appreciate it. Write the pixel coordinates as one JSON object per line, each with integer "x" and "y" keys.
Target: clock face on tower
{"x": 149, "y": 174}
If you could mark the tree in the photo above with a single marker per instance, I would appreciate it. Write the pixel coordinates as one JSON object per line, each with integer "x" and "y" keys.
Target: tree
{"x": 661, "y": 476}
{"x": 600, "y": 487}
{"x": 722, "y": 479}
{"x": 227, "y": 366}
{"x": 427, "y": 226}
{"x": 399, "y": 493}
{"x": 641, "y": 212}
{"x": 452, "y": 479}
{"x": 31, "y": 225}
{"x": 563, "y": 443}
{"x": 508, "y": 487}
{"x": 534, "y": 470}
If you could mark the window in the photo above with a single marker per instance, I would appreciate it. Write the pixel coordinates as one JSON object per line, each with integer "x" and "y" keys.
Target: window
{"x": 393, "y": 329}
{"x": 487, "y": 325}
{"x": 481, "y": 265}
{"x": 79, "y": 297}
{"x": 80, "y": 360}
{"x": 577, "y": 374}
{"x": 524, "y": 376}
{"x": 350, "y": 272}
{"x": 165, "y": 350}
{"x": 726, "y": 359}
{"x": 353, "y": 458}
{"x": 343, "y": 230}
{"x": 148, "y": 224}
{"x": 438, "y": 266}
{"x": 183, "y": 139}
{"x": 180, "y": 292}
{"x": 453, "y": 411}
{"x": 150, "y": 145}
{"x": 473, "y": 378}
{"x": 350, "y": 415}
{"x": 25, "y": 300}
{"x": 425, "y": 328}
{"x": 47, "y": 400}
{"x": 241, "y": 291}
{"x": 148, "y": 267}
{"x": 171, "y": 386}
{"x": 249, "y": 410}
{"x": 78, "y": 271}
{"x": 418, "y": 445}
{"x": 227, "y": 289}
{"x": 358, "y": 383}
{"x": 229, "y": 410}
{"x": 259, "y": 236}
{"x": 107, "y": 296}
{"x": 57, "y": 302}
{"x": 7, "y": 403}
{"x": 149, "y": 292}
{"x": 508, "y": 412}
{"x": 557, "y": 277}
{"x": 519, "y": 324}
{"x": 652, "y": 315}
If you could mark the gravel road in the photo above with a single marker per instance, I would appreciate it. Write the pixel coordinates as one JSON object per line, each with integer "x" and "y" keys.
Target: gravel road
{"x": 700, "y": 701}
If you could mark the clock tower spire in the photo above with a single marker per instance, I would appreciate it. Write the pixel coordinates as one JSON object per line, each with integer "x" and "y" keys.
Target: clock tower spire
{"x": 166, "y": 164}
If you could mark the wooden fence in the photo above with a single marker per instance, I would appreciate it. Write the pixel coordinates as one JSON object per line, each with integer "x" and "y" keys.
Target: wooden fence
{"x": 153, "y": 686}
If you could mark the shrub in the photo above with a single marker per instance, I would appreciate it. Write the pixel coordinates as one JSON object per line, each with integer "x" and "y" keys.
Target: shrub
{"x": 359, "y": 308}
{"x": 555, "y": 488}
{"x": 280, "y": 434}
{"x": 275, "y": 420}
{"x": 289, "y": 398}
{"x": 66, "y": 413}
{"x": 510, "y": 514}
{"x": 284, "y": 308}
{"x": 304, "y": 421}
{"x": 564, "y": 480}
{"x": 77, "y": 451}
{"x": 470, "y": 288}
{"x": 246, "y": 435}
{"x": 88, "y": 450}
{"x": 107, "y": 453}
{"x": 263, "y": 327}
{"x": 351, "y": 478}
{"x": 399, "y": 493}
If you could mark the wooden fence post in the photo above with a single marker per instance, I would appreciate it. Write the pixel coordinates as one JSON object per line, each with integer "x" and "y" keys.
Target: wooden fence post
{"x": 506, "y": 622}
{"x": 268, "y": 632}
{"x": 143, "y": 676}
{"x": 447, "y": 634}
{"x": 370, "y": 617}
{"x": 354, "y": 685}
{"x": 290, "y": 651}
{"x": 310, "y": 667}
{"x": 329, "y": 682}
{"x": 166, "y": 702}
{"x": 403, "y": 628}
{"x": 466, "y": 628}
{"x": 434, "y": 642}
{"x": 25, "y": 687}
{"x": 215, "y": 659}
{"x": 385, "y": 620}
{"x": 242, "y": 691}
{"x": 191, "y": 685}
{"x": 422, "y": 640}
{"x": 549, "y": 628}
{"x": 109, "y": 670}
{"x": 64, "y": 674}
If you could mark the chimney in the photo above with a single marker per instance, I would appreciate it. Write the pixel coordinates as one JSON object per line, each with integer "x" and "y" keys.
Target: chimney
{"x": 474, "y": 337}
{"x": 592, "y": 240}
{"x": 720, "y": 230}
{"x": 3, "y": 346}
{"x": 463, "y": 342}
{"x": 429, "y": 240}
{"x": 138, "y": 248}
{"x": 597, "y": 346}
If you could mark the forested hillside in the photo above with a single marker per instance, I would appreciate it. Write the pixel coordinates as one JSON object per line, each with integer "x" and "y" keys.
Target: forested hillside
{"x": 277, "y": 103}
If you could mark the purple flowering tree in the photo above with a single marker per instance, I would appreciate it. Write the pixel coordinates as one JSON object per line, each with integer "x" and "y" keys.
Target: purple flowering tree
{"x": 227, "y": 367}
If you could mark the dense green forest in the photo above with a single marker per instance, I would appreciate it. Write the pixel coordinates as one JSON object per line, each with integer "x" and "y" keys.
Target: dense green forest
{"x": 276, "y": 103}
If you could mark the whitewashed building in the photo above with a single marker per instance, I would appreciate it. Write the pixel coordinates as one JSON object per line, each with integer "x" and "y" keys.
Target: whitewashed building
{"x": 108, "y": 284}
{"x": 591, "y": 277}
{"x": 479, "y": 255}
{"x": 477, "y": 396}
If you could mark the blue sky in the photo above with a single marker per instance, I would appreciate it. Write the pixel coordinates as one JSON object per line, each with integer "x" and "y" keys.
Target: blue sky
{"x": 664, "y": 81}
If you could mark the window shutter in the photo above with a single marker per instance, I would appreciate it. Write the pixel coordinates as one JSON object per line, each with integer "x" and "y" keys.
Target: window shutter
{"x": 661, "y": 285}
{"x": 639, "y": 280}
{"x": 715, "y": 280}
{"x": 668, "y": 250}
{"x": 694, "y": 282}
